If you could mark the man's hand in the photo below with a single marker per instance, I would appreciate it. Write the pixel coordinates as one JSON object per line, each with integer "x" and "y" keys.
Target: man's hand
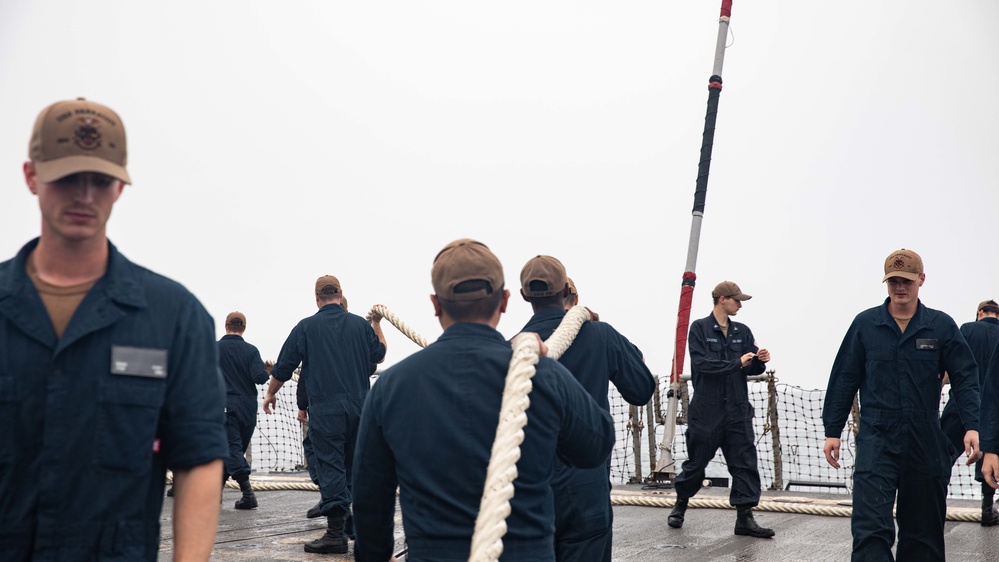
{"x": 303, "y": 416}
{"x": 268, "y": 365}
{"x": 831, "y": 449}
{"x": 990, "y": 469}
{"x": 270, "y": 401}
{"x": 971, "y": 447}
{"x": 542, "y": 346}
{"x": 593, "y": 315}
{"x": 374, "y": 316}
{"x": 763, "y": 355}
{"x": 747, "y": 359}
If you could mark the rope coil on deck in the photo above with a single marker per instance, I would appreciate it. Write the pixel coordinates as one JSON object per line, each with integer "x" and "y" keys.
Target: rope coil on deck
{"x": 777, "y": 506}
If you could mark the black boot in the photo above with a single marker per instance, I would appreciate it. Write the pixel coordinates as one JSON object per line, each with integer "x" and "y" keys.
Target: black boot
{"x": 675, "y": 518}
{"x": 333, "y": 541}
{"x": 315, "y": 511}
{"x": 990, "y": 517}
{"x": 746, "y": 525}
{"x": 248, "y": 501}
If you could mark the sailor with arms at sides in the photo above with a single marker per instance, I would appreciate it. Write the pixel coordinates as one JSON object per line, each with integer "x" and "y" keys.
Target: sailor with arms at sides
{"x": 989, "y": 424}
{"x": 336, "y": 350}
{"x": 598, "y": 356}
{"x": 723, "y": 353}
{"x": 982, "y": 336}
{"x": 108, "y": 372}
{"x": 429, "y": 424}
{"x": 242, "y": 370}
{"x": 895, "y": 355}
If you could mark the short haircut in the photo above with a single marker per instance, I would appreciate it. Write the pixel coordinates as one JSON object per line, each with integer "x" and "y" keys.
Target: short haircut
{"x": 328, "y": 293}
{"x": 544, "y": 302}
{"x": 474, "y": 310}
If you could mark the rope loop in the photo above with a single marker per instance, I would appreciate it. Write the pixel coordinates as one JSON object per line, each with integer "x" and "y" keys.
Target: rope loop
{"x": 494, "y": 508}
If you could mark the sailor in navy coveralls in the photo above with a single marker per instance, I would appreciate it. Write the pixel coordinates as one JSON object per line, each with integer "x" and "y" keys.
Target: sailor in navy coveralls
{"x": 242, "y": 370}
{"x": 895, "y": 355}
{"x": 722, "y": 354}
{"x": 598, "y": 356}
{"x": 336, "y": 350}
{"x": 108, "y": 372}
{"x": 429, "y": 423}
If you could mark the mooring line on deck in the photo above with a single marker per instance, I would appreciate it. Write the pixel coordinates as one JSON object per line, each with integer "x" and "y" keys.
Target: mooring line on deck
{"x": 953, "y": 513}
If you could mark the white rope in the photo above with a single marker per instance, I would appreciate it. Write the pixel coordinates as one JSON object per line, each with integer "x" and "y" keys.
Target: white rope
{"x": 417, "y": 338}
{"x": 563, "y": 336}
{"x": 779, "y": 505}
{"x": 494, "y": 508}
{"x": 490, "y": 524}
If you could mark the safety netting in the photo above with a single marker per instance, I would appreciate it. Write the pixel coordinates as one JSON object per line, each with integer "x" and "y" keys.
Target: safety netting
{"x": 797, "y": 438}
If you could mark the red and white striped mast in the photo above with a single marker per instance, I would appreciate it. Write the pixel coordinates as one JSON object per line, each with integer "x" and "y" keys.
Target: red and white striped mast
{"x": 665, "y": 464}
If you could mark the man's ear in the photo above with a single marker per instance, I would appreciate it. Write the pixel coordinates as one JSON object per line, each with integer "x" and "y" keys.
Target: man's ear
{"x": 30, "y": 177}
{"x": 521, "y": 294}
{"x": 437, "y": 305}
{"x": 506, "y": 300}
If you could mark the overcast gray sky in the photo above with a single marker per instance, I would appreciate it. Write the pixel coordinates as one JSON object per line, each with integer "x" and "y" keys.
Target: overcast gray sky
{"x": 271, "y": 143}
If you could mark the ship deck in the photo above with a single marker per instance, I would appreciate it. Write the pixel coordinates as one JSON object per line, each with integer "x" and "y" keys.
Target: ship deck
{"x": 278, "y": 528}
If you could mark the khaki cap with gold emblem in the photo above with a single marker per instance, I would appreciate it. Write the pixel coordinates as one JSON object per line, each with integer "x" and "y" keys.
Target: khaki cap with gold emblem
{"x": 903, "y": 263}
{"x": 78, "y": 136}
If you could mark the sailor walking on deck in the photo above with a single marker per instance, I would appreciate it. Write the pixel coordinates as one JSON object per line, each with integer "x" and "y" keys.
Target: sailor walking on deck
{"x": 982, "y": 336}
{"x": 430, "y": 421}
{"x": 336, "y": 350}
{"x": 242, "y": 370}
{"x": 108, "y": 372}
{"x": 722, "y": 354}
{"x": 895, "y": 355}
{"x": 598, "y": 356}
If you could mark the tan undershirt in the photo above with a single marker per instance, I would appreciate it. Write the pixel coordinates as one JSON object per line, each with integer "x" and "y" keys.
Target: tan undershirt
{"x": 60, "y": 302}
{"x": 902, "y": 323}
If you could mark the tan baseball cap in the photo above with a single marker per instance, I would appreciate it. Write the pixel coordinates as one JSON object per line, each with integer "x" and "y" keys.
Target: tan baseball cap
{"x": 572, "y": 287}
{"x": 903, "y": 263}
{"x": 990, "y": 304}
{"x": 235, "y": 318}
{"x": 326, "y": 282}
{"x": 730, "y": 290}
{"x": 465, "y": 260}
{"x": 546, "y": 269}
{"x": 78, "y": 136}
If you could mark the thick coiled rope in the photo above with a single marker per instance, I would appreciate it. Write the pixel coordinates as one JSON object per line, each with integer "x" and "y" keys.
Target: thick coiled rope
{"x": 805, "y": 507}
{"x": 494, "y": 508}
{"x": 387, "y": 314}
{"x": 490, "y": 523}
{"x": 563, "y": 336}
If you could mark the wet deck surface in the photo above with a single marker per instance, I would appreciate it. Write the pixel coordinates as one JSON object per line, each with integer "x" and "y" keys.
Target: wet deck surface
{"x": 278, "y": 529}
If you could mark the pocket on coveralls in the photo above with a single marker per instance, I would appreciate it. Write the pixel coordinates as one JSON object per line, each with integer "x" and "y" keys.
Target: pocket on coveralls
{"x": 129, "y": 412}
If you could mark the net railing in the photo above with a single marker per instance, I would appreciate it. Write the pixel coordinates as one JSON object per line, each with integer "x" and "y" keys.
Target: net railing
{"x": 798, "y": 465}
